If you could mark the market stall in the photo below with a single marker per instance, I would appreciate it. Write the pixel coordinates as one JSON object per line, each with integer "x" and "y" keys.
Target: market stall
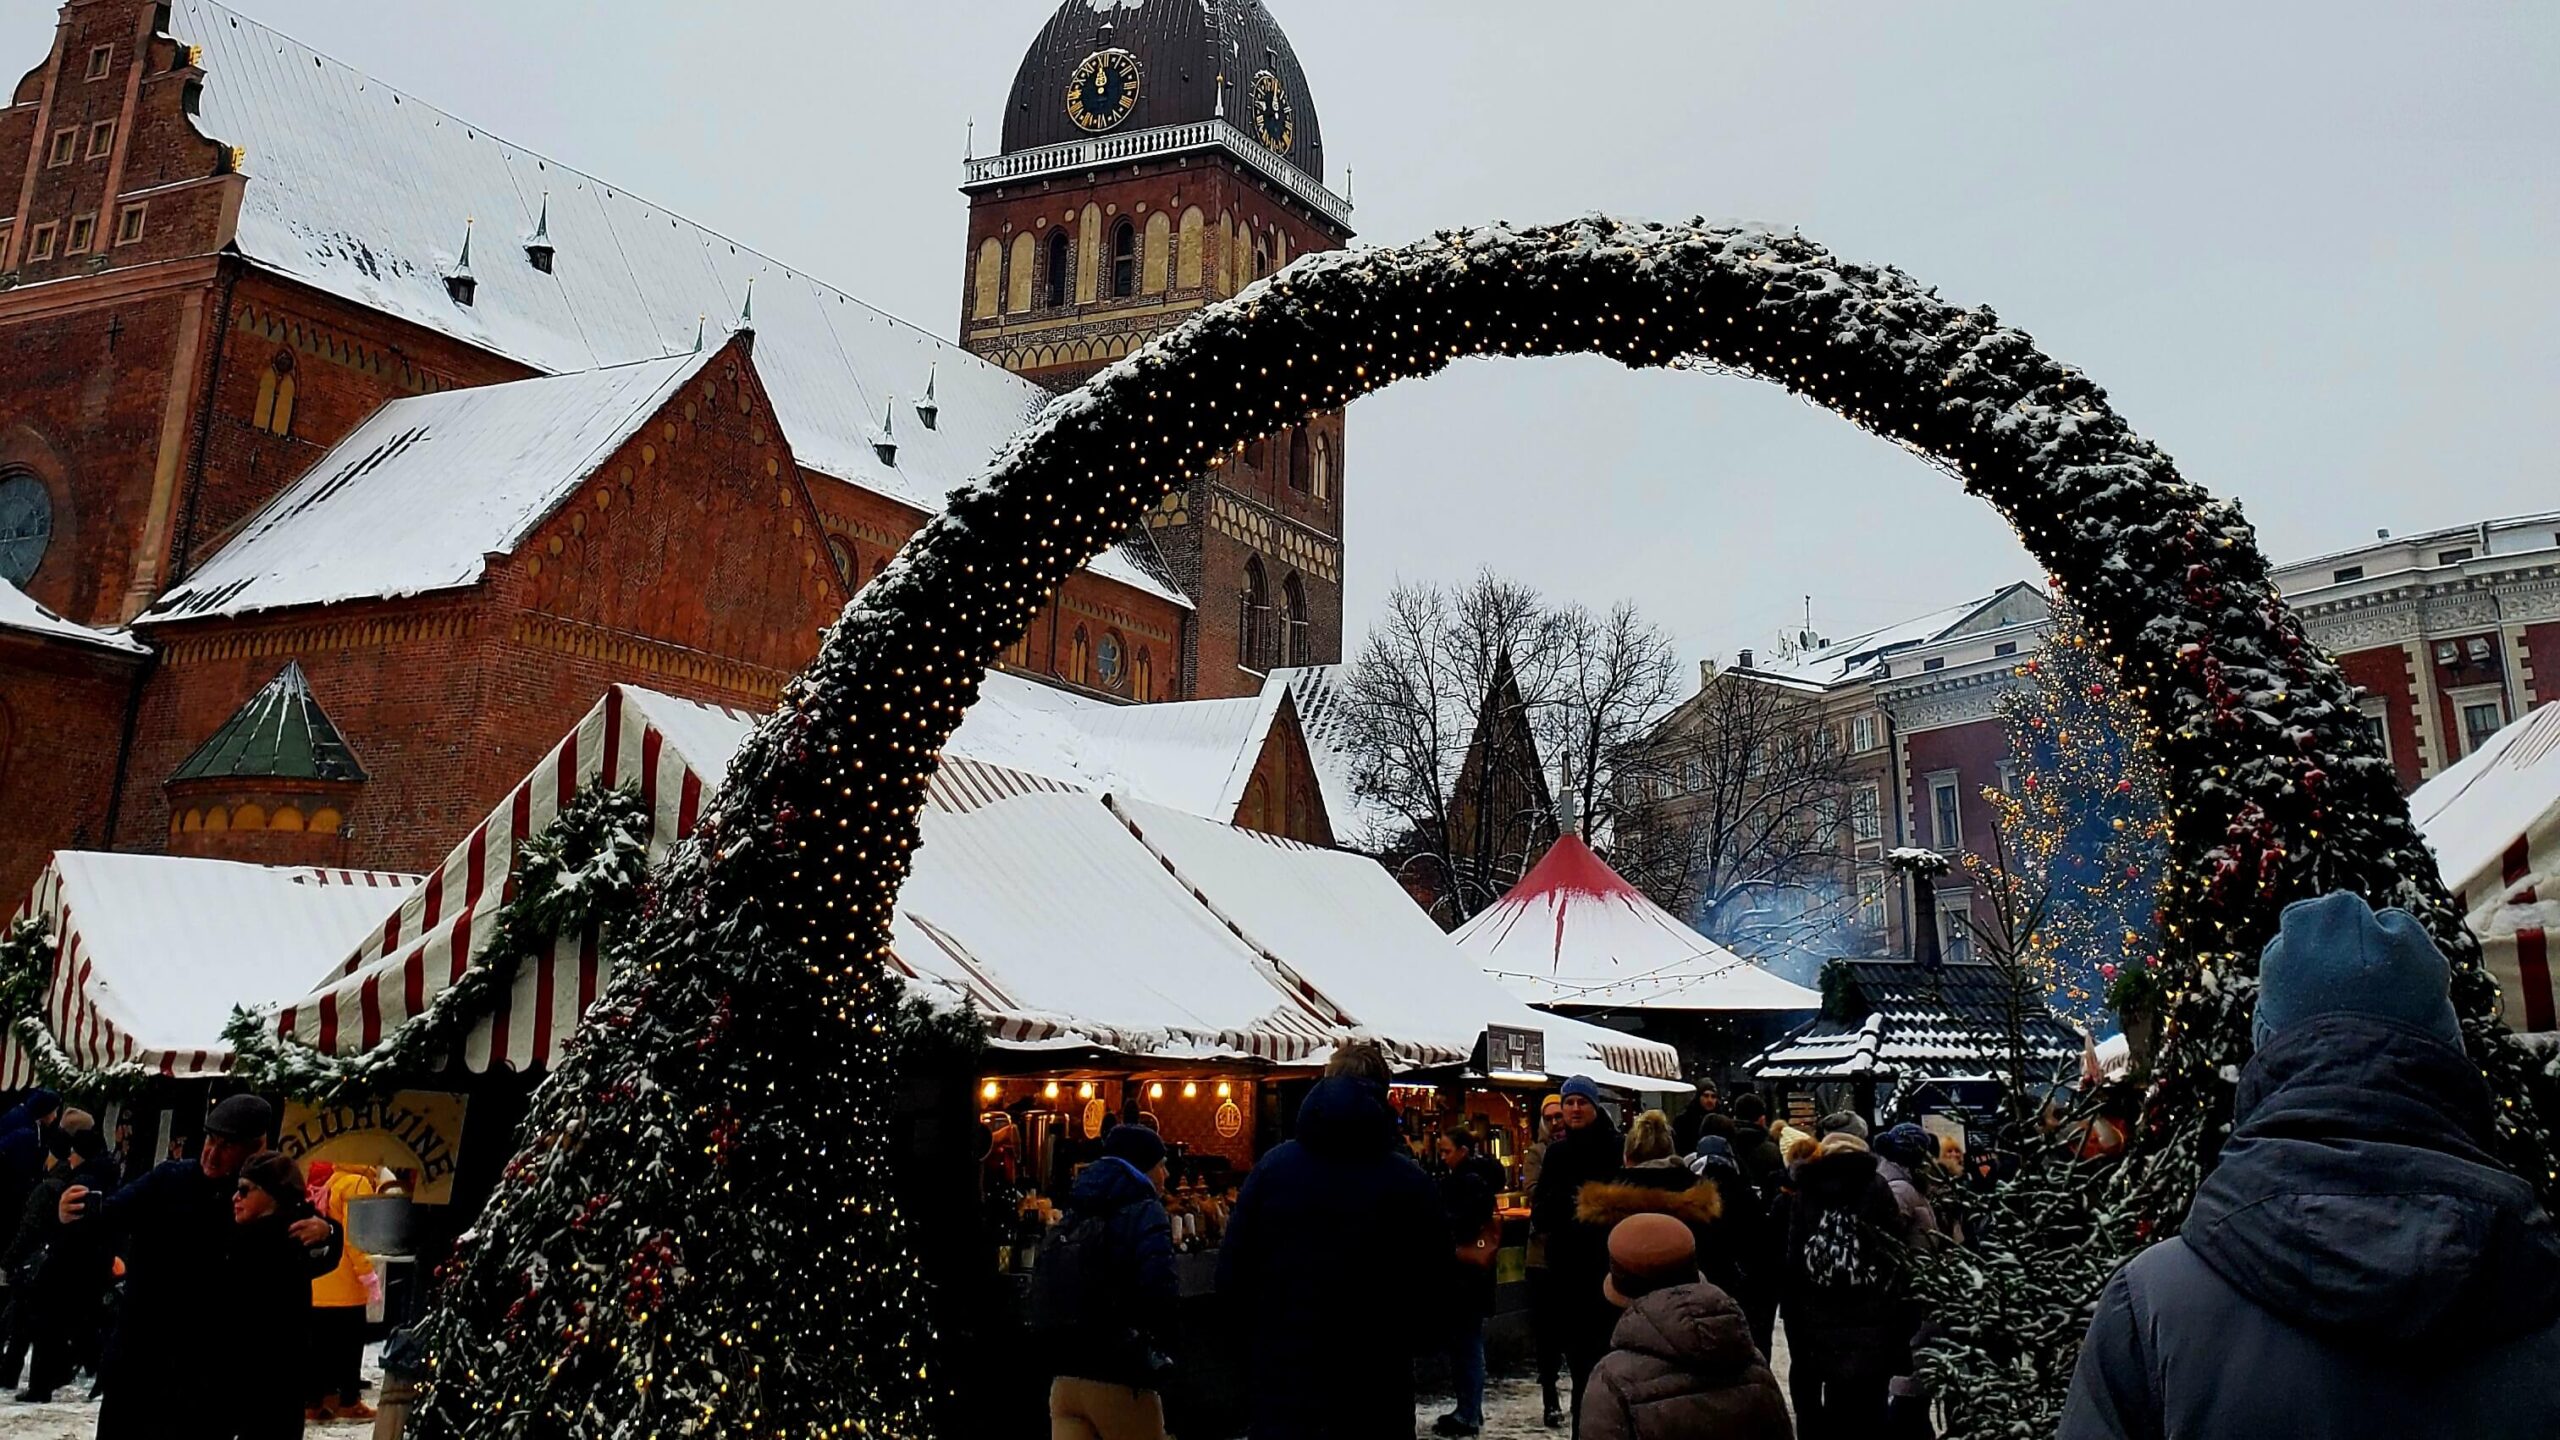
{"x": 2494, "y": 822}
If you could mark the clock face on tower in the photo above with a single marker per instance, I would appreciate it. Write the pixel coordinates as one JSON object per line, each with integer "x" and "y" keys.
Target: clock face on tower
{"x": 1103, "y": 90}
{"x": 1275, "y": 119}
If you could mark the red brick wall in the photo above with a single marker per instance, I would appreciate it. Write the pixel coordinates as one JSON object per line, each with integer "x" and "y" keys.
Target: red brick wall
{"x": 404, "y": 681}
{"x": 61, "y": 708}
{"x": 1973, "y": 750}
{"x": 345, "y": 361}
{"x": 2540, "y": 655}
{"x": 264, "y": 822}
{"x": 2383, "y": 672}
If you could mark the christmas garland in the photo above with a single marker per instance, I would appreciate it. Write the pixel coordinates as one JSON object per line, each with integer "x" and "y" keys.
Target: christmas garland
{"x": 621, "y": 1280}
{"x": 26, "y": 970}
{"x": 583, "y": 872}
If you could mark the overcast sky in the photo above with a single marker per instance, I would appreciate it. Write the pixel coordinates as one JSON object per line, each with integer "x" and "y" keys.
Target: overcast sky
{"x": 2313, "y": 250}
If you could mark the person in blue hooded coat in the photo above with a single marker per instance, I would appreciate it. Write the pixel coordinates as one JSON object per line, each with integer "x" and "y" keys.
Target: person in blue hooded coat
{"x": 2358, "y": 1263}
{"x": 1103, "y": 1295}
{"x": 1335, "y": 1267}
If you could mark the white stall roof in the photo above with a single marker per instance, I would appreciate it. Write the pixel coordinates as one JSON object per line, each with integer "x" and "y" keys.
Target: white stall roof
{"x": 1574, "y": 934}
{"x": 2494, "y": 821}
{"x": 1340, "y": 926}
{"x": 155, "y": 950}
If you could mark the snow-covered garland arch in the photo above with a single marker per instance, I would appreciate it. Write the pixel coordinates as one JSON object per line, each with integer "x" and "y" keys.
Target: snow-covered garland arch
{"x": 763, "y": 957}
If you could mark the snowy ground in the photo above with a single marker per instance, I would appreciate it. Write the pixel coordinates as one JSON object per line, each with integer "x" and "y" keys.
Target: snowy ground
{"x": 71, "y": 1418}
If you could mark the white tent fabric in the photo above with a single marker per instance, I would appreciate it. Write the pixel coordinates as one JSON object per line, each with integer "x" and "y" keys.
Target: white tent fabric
{"x": 1574, "y": 935}
{"x": 1069, "y": 917}
{"x": 2494, "y": 822}
{"x": 1346, "y": 931}
{"x": 153, "y": 951}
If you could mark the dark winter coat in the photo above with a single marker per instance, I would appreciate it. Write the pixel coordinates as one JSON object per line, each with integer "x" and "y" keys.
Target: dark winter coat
{"x": 262, "y": 1316}
{"x": 72, "y": 1264}
{"x": 173, "y": 1227}
{"x": 1666, "y": 1189}
{"x": 1747, "y": 1237}
{"x": 1762, "y": 1162}
{"x": 1682, "y": 1367}
{"x": 1103, "y": 1290}
{"x": 1685, "y": 1127}
{"x": 22, "y": 1148}
{"x": 1841, "y": 1280}
{"x": 1333, "y": 1269}
{"x": 1575, "y": 1253}
{"x": 1919, "y": 1218}
{"x": 1467, "y": 1197}
{"x": 2357, "y": 1264}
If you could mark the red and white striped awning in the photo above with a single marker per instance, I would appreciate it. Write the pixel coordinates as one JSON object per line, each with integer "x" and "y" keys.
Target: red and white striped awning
{"x": 153, "y": 951}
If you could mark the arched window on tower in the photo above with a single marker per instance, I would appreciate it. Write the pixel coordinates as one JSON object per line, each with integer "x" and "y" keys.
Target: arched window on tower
{"x": 1300, "y": 476}
{"x": 1321, "y": 484}
{"x": 274, "y": 412}
{"x": 1080, "y": 658}
{"x": 1253, "y": 617}
{"x": 1124, "y": 261}
{"x": 1293, "y": 595}
{"x": 1142, "y": 677}
{"x": 1261, "y": 259}
{"x": 1056, "y": 290}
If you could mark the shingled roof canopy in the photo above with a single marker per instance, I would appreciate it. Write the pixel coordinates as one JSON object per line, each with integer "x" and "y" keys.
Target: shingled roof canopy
{"x": 1898, "y": 1020}
{"x": 280, "y": 734}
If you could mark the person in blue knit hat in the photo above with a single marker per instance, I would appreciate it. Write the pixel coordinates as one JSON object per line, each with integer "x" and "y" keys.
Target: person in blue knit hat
{"x": 2357, "y": 1262}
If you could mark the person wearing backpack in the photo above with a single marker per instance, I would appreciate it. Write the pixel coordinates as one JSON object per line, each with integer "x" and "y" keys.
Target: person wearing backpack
{"x": 1847, "y": 1329}
{"x": 1103, "y": 1292}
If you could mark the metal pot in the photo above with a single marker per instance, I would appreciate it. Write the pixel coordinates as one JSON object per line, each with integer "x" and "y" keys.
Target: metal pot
{"x": 384, "y": 1225}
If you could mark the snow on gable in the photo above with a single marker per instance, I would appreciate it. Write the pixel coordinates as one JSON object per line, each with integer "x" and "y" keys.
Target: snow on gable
{"x": 20, "y": 612}
{"x": 366, "y": 193}
{"x": 416, "y": 498}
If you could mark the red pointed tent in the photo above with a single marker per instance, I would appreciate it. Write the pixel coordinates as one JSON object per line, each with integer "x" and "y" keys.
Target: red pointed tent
{"x": 1573, "y": 934}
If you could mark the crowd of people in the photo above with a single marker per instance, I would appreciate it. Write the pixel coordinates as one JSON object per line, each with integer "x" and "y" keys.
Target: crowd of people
{"x": 2356, "y": 1263}
{"x": 211, "y": 1295}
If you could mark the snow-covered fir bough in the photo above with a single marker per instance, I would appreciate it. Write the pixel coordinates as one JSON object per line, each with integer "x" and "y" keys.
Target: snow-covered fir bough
{"x": 701, "y": 1234}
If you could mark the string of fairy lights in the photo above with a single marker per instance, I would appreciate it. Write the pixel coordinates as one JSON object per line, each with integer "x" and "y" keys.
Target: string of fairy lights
{"x": 702, "y": 1232}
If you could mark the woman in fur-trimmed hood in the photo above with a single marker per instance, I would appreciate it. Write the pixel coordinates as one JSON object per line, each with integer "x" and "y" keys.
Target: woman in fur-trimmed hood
{"x": 1653, "y": 1181}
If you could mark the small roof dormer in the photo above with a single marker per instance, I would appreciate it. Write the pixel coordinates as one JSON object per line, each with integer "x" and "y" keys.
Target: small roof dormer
{"x": 459, "y": 282}
{"x": 538, "y": 249}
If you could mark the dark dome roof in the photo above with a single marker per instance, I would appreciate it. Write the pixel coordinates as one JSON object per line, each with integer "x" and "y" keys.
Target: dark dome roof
{"x": 1182, "y": 46}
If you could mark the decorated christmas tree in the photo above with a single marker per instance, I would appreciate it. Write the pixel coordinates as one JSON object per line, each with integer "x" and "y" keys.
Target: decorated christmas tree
{"x": 2085, "y": 828}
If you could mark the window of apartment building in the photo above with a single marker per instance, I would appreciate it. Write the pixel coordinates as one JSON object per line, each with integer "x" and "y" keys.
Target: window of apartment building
{"x": 129, "y": 224}
{"x": 1934, "y": 662}
{"x": 101, "y": 59}
{"x": 84, "y": 229}
{"x": 1946, "y": 813}
{"x": 2454, "y": 556}
{"x": 1866, "y": 814}
{"x": 40, "y": 241}
{"x": 2009, "y": 778}
{"x": 2483, "y": 712}
{"x": 65, "y": 147}
{"x": 2004, "y": 649}
{"x": 1955, "y": 926}
{"x": 2346, "y": 573}
{"x": 1862, "y": 734}
{"x": 1871, "y": 901}
{"x": 1693, "y": 774}
{"x": 102, "y": 138}
{"x": 2377, "y": 725}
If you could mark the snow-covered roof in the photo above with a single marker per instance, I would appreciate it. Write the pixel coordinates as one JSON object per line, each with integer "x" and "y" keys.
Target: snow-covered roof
{"x": 157, "y": 949}
{"x": 20, "y": 612}
{"x": 1858, "y": 657}
{"x": 1194, "y": 755}
{"x": 421, "y": 493}
{"x": 1323, "y": 714}
{"x": 1574, "y": 934}
{"x": 1341, "y": 925}
{"x": 367, "y": 194}
{"x": 1901, "y": 1020}
{"x": 2494, "y": 822}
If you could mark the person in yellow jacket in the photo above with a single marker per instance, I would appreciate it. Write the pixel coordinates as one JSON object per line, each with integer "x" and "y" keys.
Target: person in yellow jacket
{"x": 338, "y": 1303}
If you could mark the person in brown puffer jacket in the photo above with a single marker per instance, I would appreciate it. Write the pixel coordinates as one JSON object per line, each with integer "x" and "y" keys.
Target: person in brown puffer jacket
{"x": 1682, "y": 1366}
{"x": 1654, "y": 1181}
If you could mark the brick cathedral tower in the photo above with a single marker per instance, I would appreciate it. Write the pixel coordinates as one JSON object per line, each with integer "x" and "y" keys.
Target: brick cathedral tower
{"x": 1159, "y": 156}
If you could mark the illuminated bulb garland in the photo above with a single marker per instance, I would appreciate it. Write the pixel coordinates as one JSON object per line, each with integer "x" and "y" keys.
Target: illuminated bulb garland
{"x": 702, "y": 1233}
